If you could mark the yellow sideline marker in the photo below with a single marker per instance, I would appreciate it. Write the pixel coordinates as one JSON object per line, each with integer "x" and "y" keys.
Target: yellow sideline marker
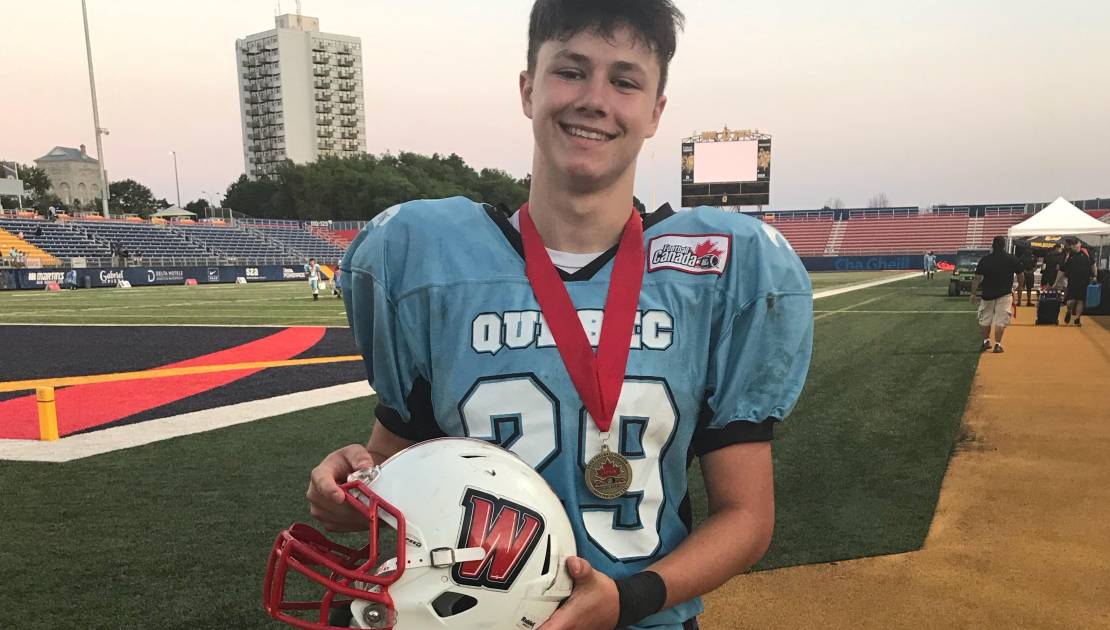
{"x": 51, "y": 383}
{"x": 48, "y": 414}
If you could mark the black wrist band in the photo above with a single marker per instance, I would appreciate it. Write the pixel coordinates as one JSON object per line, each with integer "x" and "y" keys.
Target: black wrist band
{"x": 640, "y": 595}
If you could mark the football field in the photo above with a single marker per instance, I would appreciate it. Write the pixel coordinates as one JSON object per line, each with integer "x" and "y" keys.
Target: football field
{"x": 176, "y": 533}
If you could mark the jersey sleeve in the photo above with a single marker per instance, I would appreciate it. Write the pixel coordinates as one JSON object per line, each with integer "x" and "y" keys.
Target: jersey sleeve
{"x": 396, "y": 364}
{"x": 763, "y": 345}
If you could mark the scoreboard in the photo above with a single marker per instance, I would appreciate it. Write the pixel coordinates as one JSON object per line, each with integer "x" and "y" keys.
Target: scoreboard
{"x": 726, "y": 168}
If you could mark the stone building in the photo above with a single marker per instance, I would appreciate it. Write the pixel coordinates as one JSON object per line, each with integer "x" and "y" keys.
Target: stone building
{"x": 74, "y": 175}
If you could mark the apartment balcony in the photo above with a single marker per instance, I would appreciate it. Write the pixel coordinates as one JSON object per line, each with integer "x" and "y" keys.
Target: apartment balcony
{"x": 347, "y": 97}
{"x": 346, "y": 86}
{"x": 272, "y": 70}
{"x": 324, "y": 120}
{"x": 321, "y": 58}
{"x": 324, "y": 108}
{"x": 270, "y": 58}
{"x": 321, "y": 70}
{"x": 346, "y": 74}
{"x": 325, "y": 133}
{"x": 270, "y": 46}
{"x": 325, "y": 144}
{"x": 350, "y": 146}
{"x": 345, "y": 61}
{"x": 322, "y": 84}
{"x": 349, "y": 134}
{"x": 345, "y": 49}
{"x": 348, "y": 122}
{"x": 323, "y": 96}
{"x": 348, "y": 110}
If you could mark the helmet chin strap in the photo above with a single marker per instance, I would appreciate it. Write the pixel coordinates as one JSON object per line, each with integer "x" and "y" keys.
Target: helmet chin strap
{"x": 445, "y": 556}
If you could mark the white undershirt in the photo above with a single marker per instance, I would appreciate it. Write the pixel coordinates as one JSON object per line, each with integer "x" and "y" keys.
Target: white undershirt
{"x": 567, "y": 261}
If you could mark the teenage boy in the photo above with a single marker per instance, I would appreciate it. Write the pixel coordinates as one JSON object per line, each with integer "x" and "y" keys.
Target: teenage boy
{"x": 576, "y": 330}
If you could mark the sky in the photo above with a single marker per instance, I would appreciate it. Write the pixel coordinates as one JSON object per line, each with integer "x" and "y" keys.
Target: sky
{"x": 934, "y": 101}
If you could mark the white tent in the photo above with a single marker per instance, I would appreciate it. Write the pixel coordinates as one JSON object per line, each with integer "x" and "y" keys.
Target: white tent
{"x": 1061, "y": 218}
{"x": 173, "y": 212}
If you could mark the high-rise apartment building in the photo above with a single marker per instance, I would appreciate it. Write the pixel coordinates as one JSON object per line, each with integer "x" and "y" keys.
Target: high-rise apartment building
{"x": 300, "y": 93}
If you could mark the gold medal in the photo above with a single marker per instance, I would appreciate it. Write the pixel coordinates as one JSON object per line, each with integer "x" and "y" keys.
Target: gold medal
{"x": 608, "y": 474}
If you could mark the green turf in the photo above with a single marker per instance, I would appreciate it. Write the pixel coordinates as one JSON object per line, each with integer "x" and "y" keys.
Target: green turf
{"x": 175, "y": 534}
{"x": 831, "y": 279}
{"x": 276, "y": 303}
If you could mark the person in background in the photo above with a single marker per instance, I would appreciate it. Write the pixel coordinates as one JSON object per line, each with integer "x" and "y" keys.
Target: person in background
{"x": 312, "y": 272}
{"x": 1028, "y": 267}
{"x": 1052, "y": 262}
{"x": 930, "y": 265}
{"x": 995, "y": 274}
{"x": 1078, "y": 270}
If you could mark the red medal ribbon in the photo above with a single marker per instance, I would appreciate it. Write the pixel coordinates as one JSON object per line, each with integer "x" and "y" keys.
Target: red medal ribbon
{"x": 598, "y": 378}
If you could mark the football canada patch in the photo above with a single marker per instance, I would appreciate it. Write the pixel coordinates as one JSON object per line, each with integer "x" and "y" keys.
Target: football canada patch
{"x": 692, "y": 253}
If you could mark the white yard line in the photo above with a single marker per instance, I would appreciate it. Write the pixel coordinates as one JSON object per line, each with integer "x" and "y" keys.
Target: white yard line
{"x": 864, "y": 285}
{"x": 847, "y": 308}
{"x": 140, "y": 433}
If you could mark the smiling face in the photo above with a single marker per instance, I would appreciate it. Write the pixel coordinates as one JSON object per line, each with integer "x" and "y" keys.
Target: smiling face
{"x": 593, "y": 101}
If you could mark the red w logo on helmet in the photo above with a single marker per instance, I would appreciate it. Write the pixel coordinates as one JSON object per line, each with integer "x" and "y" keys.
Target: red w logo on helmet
{"x": 507, "y": 531}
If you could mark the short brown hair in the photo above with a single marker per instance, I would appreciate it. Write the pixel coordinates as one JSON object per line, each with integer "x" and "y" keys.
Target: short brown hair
{"x": 655, "y": 23}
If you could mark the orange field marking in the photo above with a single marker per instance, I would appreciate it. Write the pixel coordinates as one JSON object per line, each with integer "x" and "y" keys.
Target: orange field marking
{"x": 15, "y": 386}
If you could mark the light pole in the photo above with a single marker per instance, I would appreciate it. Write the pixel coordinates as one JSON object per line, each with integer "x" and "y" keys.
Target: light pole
{"x": 96, "y": 118}
{"x": 175, "y": 180}
{"x": 208, "y": 209}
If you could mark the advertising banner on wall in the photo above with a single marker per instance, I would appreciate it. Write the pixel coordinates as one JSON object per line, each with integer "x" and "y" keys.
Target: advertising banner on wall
{"x": 150, "y": 276}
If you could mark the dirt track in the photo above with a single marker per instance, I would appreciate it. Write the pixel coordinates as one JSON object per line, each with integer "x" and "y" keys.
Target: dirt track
{"x": 1021, "y": 535}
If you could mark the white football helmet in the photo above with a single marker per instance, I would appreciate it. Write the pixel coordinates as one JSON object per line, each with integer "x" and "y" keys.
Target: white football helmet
{"x": 485, "y": 543}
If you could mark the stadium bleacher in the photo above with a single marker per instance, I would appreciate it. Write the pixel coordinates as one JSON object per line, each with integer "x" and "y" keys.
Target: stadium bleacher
{"x": 59, "y": 239}
{"x": 913, "y": 234}
{"x": 141, "y": 238}
{"x": 295, "y": 238}
{"x": 233, "y": 243}
{"x": 944, "y": 229}
{"x": 340, "y": 238}
{"x": 808, "y": 235}
{"x": 996, "y": 223}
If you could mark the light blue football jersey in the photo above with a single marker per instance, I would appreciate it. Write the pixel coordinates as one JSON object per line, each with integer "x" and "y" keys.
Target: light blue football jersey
{"x": 455, "y": 344}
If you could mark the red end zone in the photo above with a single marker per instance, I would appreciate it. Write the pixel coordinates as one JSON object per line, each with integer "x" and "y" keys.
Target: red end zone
{"x": 82, "y": 407}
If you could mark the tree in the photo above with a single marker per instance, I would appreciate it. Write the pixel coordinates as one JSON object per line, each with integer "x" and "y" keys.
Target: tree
{"x": 361, "y": 186}
{"x": 200, "y": 207}
{"x": 36, "y": 185}
{"x": 130, "y": 196}
{"x": 834, "y": 203}
{"x": 878, "y": 201}
{"x": 250, "y": 196}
